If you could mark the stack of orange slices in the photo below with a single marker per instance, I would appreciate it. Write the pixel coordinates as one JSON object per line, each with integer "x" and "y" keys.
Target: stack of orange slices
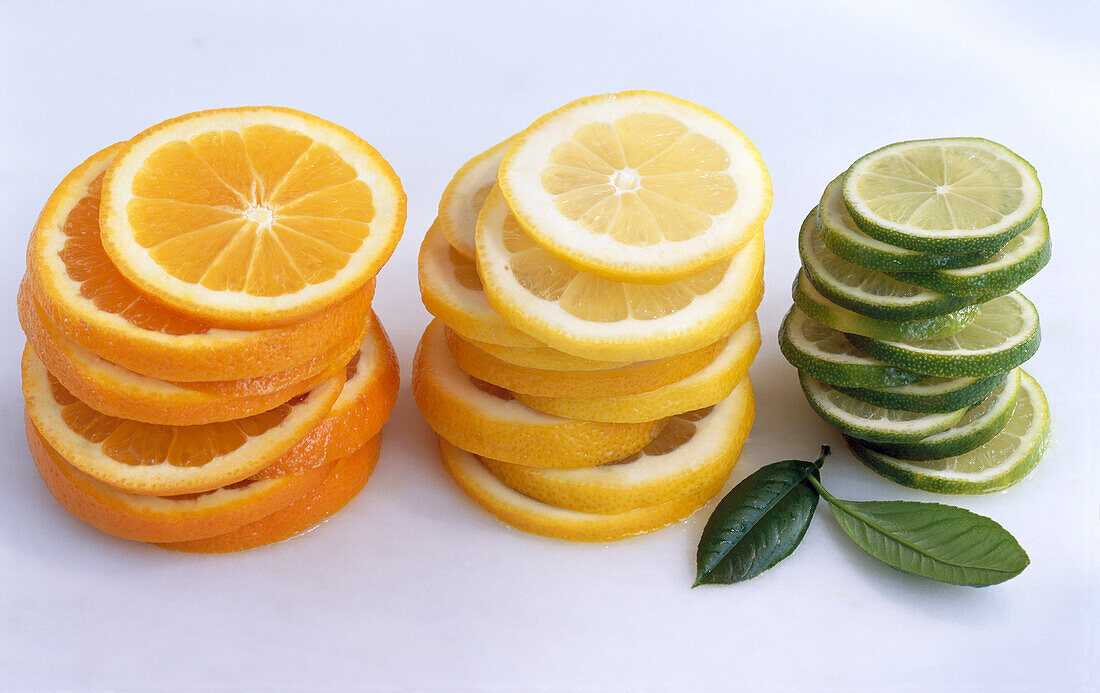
{"x": 203, "y": 370}
{"x": 594, "y": 281}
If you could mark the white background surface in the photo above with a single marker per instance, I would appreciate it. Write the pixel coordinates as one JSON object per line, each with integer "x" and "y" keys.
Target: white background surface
{"x": 414, "y": 588}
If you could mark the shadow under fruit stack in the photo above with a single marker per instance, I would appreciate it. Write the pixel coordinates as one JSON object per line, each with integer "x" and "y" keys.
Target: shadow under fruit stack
{"x": 203, "y": 369}
{"x": 594, "y": 281}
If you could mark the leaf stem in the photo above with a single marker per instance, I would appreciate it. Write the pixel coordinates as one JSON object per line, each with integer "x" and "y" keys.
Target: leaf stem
{"x": 821, "y": 489}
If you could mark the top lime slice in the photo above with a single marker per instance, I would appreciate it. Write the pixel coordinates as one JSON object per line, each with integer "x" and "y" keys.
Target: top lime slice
{"x": 951, "y": 195}
{"x": 848, "y": 241}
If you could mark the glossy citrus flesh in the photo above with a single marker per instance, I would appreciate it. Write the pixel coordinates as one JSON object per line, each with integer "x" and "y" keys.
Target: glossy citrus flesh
{"x": 250, "y": 216}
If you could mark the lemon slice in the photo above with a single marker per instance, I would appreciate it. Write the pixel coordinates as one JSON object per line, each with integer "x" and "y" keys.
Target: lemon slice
{"x": 700, "y": 389}
{"x": 631, "y": 379}
{"x": 463, "y": 196}
{"x": 529, "y": 515}
{"x": 596, "y": 318}
{"x": 250, "y": 216}
{"x": 487, "y": 421}
{"x": 692, "y": 451}
{"x": 451, "y": 291}
{"x": 544, "y": 358}
{"x": 951, "y": 195}
{"x": 637, "y": 186}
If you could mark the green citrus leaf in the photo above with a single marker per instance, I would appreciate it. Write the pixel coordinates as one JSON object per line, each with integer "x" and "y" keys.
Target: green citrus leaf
{"x": 935, "y": 541}
{"x": 759, "y": 523}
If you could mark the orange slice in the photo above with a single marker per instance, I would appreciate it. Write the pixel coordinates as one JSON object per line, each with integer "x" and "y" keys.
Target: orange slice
{"x": 487, "y": 421}
{"x": 451, "y": 291}
{"x": 161, "y": 460}
{"x": 370, "y": 389}
{"x": 249, "y": 217}
{"x": 463, "y": 196}
{"x": 91, "y": 303}
{"x": 156, "y": 518}
{"x": 343, "y": 480}
{"x": 117, "y": 391}
{"x": 625, "y": 380}
{"x": 530, "y": 515}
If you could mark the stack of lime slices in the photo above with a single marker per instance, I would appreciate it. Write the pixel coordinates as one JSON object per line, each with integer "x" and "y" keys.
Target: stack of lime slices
{"x": 908, "y": 330}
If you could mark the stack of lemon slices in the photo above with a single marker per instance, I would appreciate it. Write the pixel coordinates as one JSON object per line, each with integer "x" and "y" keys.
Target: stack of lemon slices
{"x": 594, "y": 280}
{"x": 908, "y": 330}
{"x": 203, "y": 369}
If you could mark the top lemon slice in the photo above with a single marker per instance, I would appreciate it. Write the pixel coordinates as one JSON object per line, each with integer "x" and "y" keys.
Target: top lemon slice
{"x": 636, "y": 186}
{"x": 464, "y": 195}
{"x": 250, "y": 216}
{"x": 951, "y": 195}
{"x": 593, "y": 317}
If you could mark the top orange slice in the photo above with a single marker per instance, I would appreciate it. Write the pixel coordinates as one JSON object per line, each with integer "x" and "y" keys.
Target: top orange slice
{"x": 248, "y": 217}
{"x": 91, "y": 303}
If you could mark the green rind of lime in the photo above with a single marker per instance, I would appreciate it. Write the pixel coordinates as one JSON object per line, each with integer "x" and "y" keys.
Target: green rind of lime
{"x": 847, "y": 240}
{"x": 984, "y": 469}
{"x": 945, "y": 196}
{"x": 868, "y": 292}
{"x": 824, "y": 311}
{"x": 865, "y": 421}
{"x": 1019, "y": 260}
{"x": 827, "y": 355}
{"x": 932, "y": 394}
{"x": 978, "y": 425}
{"x": 1003, "y": 336}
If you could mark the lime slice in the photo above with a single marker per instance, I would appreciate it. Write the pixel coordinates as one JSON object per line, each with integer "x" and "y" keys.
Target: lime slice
{"x": 976, "y": 427}
{"x": 868, "y": 292}
{"x": 821, "y": 309}
{"x": 827, "y": 355}
{"x": 996, "y": 465}
{"x": 931, "y": 394}
{"x": 1019, "y": 260}
{"x": 952, "y": 195}
{"x": 859, "y": 419}
{"x": 845, "y": 238}
{"x": 1003, "y": 336}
